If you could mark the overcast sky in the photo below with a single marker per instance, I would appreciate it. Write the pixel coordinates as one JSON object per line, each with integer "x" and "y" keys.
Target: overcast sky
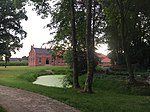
{"x": 37, "y": 34}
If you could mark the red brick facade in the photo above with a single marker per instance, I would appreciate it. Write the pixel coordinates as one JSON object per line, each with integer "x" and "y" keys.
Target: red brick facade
{"x": 42, "y": 57}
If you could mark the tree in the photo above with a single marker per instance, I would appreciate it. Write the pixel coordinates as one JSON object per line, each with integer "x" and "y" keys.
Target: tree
{"x": 1, "y": 58}
{"x": 82, "y": 67}
{"x": 74, "y": 44}
{"x": 125, "y": 42}
{"x": 63, "y": 19}
{"x": 11, "y": 32}
{"x": 126, "y": 30}
{"x": 24, "y": 58}
{"x": 89, "y": 47}
{"x": 121, "y": 13}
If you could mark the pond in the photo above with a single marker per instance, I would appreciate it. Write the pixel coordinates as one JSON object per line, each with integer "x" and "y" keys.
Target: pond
{"x": 51, "y": 80}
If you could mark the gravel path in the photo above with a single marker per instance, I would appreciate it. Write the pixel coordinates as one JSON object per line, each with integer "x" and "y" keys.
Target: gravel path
{"x": 16, "y": 100}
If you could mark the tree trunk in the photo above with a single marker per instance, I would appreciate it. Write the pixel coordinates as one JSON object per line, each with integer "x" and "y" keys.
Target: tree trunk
{"x": 74, "y": 44}
{"x": 125, "y": 42}
{"x": 89, "y": 47}
{"x": 130, "y": 69}
{"x": 5, "y": 64}
{"x": 5, "y": 61}
{"x": 93, "y": 32}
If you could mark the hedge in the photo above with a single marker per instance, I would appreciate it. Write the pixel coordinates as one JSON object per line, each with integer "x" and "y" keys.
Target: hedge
{"x": 14, "y": 64}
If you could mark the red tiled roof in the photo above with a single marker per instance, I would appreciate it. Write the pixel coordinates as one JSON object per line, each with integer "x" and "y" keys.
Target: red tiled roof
{"x": 42, "y": 51}
{"x": 105, "y": 60}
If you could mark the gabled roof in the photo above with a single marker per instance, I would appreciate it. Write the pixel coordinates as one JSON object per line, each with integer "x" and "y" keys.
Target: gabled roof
{"x": 42, "y": 51}
{"x": 105, "y": 60}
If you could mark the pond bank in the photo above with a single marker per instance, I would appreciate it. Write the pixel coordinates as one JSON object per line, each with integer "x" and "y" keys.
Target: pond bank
{"x": 51, "y": 80}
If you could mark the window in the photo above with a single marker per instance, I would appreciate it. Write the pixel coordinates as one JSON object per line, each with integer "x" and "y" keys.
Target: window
{"x": 40, "y": 60}
{"x": 47, "y": 61}
{"x": 58, "y": 60}
{"x": 62, "y": 61}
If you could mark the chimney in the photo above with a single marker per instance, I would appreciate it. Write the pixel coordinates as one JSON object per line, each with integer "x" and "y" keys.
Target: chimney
{"x": 32, "y": 46}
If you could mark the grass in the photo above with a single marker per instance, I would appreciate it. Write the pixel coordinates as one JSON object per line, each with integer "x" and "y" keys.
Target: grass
{"x": 2, "y": 109}
{"x": 110, "y": 95}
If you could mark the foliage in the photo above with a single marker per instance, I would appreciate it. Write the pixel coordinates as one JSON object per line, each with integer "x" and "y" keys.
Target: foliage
{"x": 81, "y": 60}
{"x": 32, "y": 76}
{"x": 82, "y": 64}
{"x": 14, "y": 64}
{"x": 1, "y": 58}
{"x": 68, "y": 57}
{"x": 69, "y": 17}
{"x": 24, "y": 58}
{"x": 136, "y": 30}
{"x": 56, "y": 52}
{"x": 127, "y": 27}
{"x": 11, "y": 31}
{"x": 61, "y": 19}
{"x": 2, "y": 109}
{"x": 67, "y": 81}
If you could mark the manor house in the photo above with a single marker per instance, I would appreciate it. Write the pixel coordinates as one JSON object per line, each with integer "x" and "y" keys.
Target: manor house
{"x": 44, "y": 57}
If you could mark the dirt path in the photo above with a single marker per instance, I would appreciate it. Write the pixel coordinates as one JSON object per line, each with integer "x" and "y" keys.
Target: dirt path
{"x": 16, "y": 100}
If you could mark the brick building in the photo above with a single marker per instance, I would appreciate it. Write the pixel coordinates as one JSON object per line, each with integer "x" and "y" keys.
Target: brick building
{"x": 105, "y": 61}
{"x": 43, "y": 57}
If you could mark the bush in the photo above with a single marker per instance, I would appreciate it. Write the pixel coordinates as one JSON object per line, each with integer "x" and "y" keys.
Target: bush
{"x": 14, "y": 64}
{"x": 2, "y": 109}
{"x": 68, "y": 81}
{"x": 82, "y": 62}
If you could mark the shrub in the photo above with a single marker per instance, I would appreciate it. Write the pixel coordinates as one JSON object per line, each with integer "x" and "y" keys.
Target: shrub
{"x": 2, "y": 109}
{"x": 14, "y": 64}
{"x": 82, "y": 62}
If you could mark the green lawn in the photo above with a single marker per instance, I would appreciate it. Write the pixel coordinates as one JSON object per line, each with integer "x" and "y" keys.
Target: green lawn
{"x": 2, "y": 110}
{"x": 110, "y": 95}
